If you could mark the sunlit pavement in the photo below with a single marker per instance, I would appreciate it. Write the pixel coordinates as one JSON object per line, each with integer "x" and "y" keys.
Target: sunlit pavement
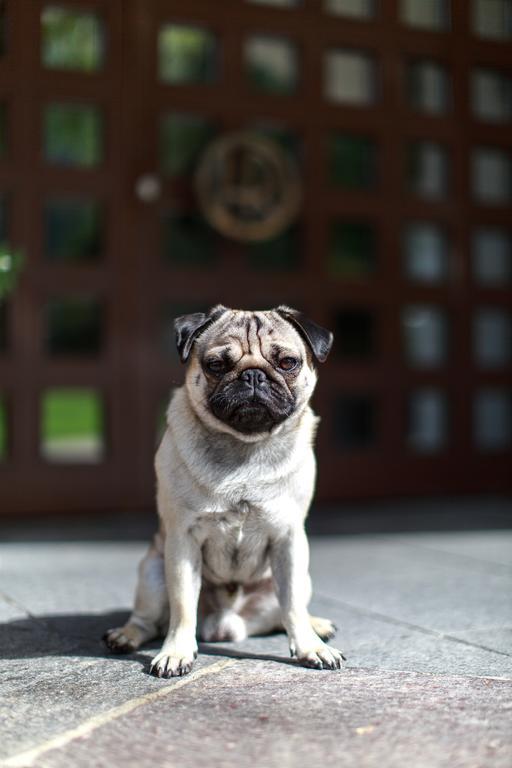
{"x": 425, "y": 620}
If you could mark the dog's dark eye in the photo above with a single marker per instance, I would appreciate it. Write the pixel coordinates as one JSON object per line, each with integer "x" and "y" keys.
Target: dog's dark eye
{"x": 288, "y": 363}
{"x": 215, "y": 366}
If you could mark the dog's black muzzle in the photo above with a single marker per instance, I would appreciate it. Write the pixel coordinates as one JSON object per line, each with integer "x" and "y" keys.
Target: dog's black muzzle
{"x": 252, "y": 403}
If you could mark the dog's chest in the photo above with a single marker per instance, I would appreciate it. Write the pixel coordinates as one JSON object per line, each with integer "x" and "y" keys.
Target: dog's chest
{"x": 233, "y": 544}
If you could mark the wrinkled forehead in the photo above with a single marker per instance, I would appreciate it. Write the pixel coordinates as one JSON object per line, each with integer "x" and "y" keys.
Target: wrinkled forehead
{"x": 250, "y": 331}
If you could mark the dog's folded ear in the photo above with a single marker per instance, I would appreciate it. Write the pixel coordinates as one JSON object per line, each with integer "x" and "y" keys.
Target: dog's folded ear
{"x": 317, "y": 338}
{"x": 188, "y": 328}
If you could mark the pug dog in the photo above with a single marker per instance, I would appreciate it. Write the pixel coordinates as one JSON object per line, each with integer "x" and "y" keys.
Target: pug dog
{"x": 235, "y": 476}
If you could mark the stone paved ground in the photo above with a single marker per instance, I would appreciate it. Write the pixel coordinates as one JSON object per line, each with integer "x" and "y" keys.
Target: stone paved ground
{"x": 425, "y": 621}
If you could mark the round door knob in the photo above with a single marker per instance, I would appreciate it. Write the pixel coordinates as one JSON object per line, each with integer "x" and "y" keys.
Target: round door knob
{"x": 148, "y": 188}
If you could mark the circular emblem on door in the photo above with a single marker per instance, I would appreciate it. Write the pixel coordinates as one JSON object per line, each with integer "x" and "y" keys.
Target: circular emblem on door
{"x": 248, "y": 187}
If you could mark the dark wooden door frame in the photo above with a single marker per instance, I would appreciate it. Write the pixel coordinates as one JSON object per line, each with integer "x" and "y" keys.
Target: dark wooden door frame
{"x": 29, "y": 483}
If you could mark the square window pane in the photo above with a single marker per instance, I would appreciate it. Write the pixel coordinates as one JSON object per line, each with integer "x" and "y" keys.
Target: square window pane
{"x": 355, "y": 335}
{"x": 74, "y": 327}
{"x": 355, "y": 422}
{"x": 350, "y": 77}
{"x": 425, "y": 253}
{"x": 11, "y": 265}
{"x": 491, "y": 95}
{"x": 492, "y": 420}
{"x": 71, "y": 39}
{"x": 73, "y": 135}
{"x": 425, "y": 336}
{"x": 3, "y": 428}
{"x": 428, "y": 87}
{"x": 182, "y": 139}
{"x": 187, "y": 54}
{"x": 492, "y": 256}
{"x": 279, "y": 253}
{"x": 492, "y": 337}
{"x": 73, "y": 231}
{"x": 352, "y": 161}
{"x": 426, "y": 14}
{"x": 359, "y": 9}
{"x": 271, "y": 64}
{"x": 352, "y": 250}
{"x": 492, "y": 18}
{"x": 427, "y": 170}
{"x": 427, "y": 420}
{"x": 3, "y": 129}
{"x": 72, "y": 426}
{"x": 187, "y": 241}
{"x": 491, "y": 175}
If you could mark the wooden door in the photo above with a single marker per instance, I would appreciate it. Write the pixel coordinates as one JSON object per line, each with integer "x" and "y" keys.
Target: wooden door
{"x": 397, "y": 117}
{"x": 403, "y": 244}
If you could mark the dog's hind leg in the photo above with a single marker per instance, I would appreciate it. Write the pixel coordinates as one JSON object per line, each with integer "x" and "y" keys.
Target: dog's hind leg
{"x": 262, "y": 615}
{"x": 151, "y": 610}
{"x": 261, "y": 612}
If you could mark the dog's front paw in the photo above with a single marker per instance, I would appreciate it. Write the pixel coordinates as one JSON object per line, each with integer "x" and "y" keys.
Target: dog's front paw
{"x": 172, "y": 663}
{"x": 319, "y": 656}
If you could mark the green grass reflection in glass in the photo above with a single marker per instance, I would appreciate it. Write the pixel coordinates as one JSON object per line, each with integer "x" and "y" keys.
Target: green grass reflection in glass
{"x": 73, "y": 135}
{"x": 187, "y": 240}
{"x": 73, "y": 230}
{"x": 71, "y": 39}
{"x": 271, "y": 64}
{"x": 182, "y": 139}
{"x": 186, "y": 54}
{"x": 3, "y": 429}
{"x": 279, "y": 253}
{"x": 352, "y": 161}
{"x": 352, "y": 250}
{"x": 72, "y": 426}
{"x": 74, "y": 327}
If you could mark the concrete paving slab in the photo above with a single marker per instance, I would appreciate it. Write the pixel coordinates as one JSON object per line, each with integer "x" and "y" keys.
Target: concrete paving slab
{"x": 484, "y": 546}
{"x": 61, "y": 577}
{"x": 421, "y": 622}
{"x": 423, "y": 587}
{"x": 497, "y": 638}
{"x": 238, "y": 716}
{"x": 61, "y": 691}
{"x": 9, "y": 610}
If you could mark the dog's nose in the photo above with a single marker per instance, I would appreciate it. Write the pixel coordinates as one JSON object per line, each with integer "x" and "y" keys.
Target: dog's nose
{"x": 254, "y": 377}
